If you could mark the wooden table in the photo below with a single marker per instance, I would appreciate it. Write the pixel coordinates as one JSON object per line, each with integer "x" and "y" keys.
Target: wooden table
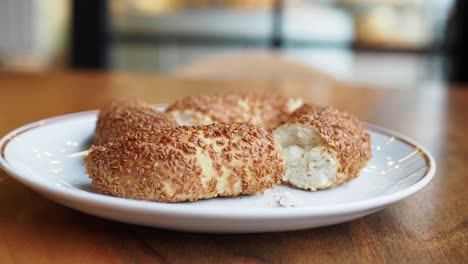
{"x": 431, "y": 226}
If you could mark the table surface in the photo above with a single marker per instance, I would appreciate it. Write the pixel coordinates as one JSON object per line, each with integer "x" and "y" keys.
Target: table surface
{"x": 430, "y": 226}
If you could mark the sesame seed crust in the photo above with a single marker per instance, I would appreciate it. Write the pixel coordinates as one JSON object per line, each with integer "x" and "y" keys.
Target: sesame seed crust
{"x": 126, "y": 117}
{"x": 305, "y": 109}
{"x": 345, "y": 135}
{"x": 187, "y": 163}
{"x": 266, "y": 111}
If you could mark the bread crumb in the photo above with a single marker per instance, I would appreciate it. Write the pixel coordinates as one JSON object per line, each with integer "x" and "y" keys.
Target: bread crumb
{"x": 285, "y": 199}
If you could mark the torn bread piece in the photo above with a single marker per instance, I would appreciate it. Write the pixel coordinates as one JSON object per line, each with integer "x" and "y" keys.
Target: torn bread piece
{"x": 322, "y": 148}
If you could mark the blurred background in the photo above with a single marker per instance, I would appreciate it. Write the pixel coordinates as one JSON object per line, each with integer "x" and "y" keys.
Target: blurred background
{"x": 397, "y": 44}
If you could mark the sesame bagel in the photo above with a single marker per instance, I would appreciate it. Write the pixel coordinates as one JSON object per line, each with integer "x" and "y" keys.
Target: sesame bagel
{"x": 323, "y": 147}
{"x": 187, "y": 163}
{"x": 126, "y": 117}
{"x": 265, "y": 111}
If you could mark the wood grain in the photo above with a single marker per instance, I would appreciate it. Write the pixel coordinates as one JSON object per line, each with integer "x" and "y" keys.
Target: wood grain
{"x": 431, "y": 226}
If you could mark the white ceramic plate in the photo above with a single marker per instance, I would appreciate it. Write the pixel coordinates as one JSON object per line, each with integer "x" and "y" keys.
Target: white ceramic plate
{"x": 42, "y": 156}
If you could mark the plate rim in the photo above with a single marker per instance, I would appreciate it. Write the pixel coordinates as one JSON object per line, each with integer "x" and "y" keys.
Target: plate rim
{"x": 169, "y": 209}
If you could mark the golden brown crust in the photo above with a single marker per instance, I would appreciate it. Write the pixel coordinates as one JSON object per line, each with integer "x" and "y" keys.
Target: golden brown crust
{"x": 188, "y": 163}
{"x": 304, "y": 109}
{"x": 126, "y": 117}
{"x": 344, "y": 133}
{"x": 266, "y": 111}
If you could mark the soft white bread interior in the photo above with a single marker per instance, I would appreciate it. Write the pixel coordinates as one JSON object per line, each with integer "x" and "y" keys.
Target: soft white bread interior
{"x": 308, "y": 164}
{"x": 322, "y": 148}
